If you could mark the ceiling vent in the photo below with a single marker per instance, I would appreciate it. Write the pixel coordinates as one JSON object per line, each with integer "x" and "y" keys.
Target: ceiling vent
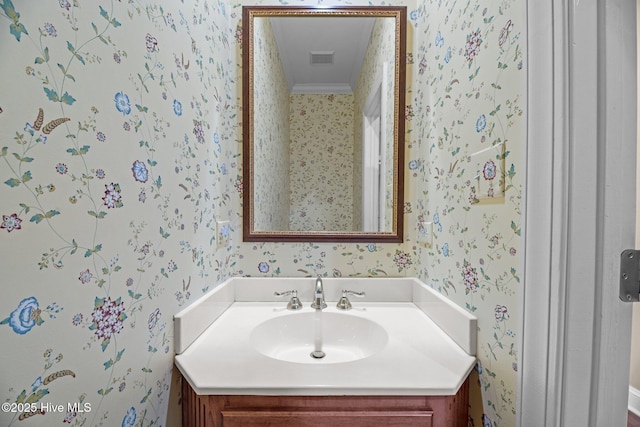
{"x": 321, "y": 57}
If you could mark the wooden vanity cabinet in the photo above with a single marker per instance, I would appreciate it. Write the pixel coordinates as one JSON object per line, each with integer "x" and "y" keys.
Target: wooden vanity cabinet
{"x": 324, "y": 411}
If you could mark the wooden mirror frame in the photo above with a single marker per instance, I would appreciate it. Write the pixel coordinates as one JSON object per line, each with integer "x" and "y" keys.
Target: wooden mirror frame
{"x": 396, "y": 234}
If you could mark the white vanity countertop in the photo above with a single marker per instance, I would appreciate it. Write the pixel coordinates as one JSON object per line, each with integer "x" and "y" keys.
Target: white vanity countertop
{"x": 419, "y": 358}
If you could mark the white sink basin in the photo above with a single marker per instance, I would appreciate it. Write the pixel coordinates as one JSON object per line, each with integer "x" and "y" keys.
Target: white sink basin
{"x": 342, "y": 337}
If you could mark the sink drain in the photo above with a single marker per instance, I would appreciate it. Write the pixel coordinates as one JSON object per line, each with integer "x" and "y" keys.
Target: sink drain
{"x": 318, "y": 354}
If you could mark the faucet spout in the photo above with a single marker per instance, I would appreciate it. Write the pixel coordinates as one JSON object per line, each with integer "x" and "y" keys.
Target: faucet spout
{"x": 318, "y": 302}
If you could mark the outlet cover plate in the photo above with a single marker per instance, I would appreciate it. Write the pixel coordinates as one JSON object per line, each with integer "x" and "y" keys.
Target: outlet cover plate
{"x": 223, "y": 231}
{"x": 425, "y": 233}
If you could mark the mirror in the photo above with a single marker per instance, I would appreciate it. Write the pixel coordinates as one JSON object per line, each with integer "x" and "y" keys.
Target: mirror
{"x": 323, "y": 123}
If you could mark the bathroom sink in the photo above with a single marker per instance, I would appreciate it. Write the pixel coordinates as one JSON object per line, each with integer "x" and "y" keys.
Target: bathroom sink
{"x": 341, "y": 337}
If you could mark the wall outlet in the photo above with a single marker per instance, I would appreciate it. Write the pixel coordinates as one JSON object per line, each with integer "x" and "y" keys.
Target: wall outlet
{"x": 425, "y": 233}
{"x": 223, "y": 233}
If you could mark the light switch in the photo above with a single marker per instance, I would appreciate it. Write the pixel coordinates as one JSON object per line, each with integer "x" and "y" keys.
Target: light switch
{"x": 425, "y": 233}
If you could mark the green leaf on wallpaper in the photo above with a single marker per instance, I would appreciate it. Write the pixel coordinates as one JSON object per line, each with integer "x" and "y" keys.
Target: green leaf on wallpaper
{"x": 23, "y": 159}
{"x": 95, "y": 250}
{"x": 75, "y": 246}
{"x": 144, "y": 399}
{"x": 502, "y": 66}
{"x": 34, "y": 397}
{"x": 17, "y": 29}
{"x": 67, "y": 99}
{"x": 164, "y": 234}
{"x": 112, "y": 362}
{"x": 21, "y": 397}
{"x": 141, "y": 108}
{"x": 515, "y": 228}
{"x": 496, "y": 86}
{"x": 103, "y": 392}
{"x": 495, "y": 111}
{"x": 100, "y": 215}
{"x": 51, "y": 214}
{"x": 26, "y": 176}
{"x": 134, "y": 295}
{"x": 12, "y": 182}
{"x": 511, "y": 172}
{"x": 152, "y": 162}
{"x": 37, "y": 218}
{"x": 77, "y": 152}
{"x": 142, "y": 82}
{"x": 105, "y": 15}
{"x": 475, "y": 74}
{"x": 64, "y": 71}
{"x": 503, "y": 155}
{"x": 52, "y": 94}
{"x": 5, "y": 151}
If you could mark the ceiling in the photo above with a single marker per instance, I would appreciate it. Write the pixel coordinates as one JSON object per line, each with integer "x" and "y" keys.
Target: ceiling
{"x": 298, "y": 37}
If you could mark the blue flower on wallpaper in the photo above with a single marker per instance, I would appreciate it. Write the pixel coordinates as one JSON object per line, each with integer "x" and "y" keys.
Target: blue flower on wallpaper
{"x": 216, "y": 140}
{"x": 413, "y": 165}
{"x": 177, "y": 107}
{"x": 481, "y": 123}
{"x": 447, "y": 56}
{"x": 436, "y": 221}
{"x": 122, "y": 103}
{"x": 25, "y": 317}
{"x": 263, "y": 267}
{"x": 129, "y": 418}
{"x": 413, "y": 15}
{"x": 445, "y": 249}
{"x": 140, "y": 172}
{"x": 486, "y": 421}
{"x": 371, "y": 247}
{"x": 439, "y": 40}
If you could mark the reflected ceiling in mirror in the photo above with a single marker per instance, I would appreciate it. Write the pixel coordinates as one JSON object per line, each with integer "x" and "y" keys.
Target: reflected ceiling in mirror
{"x": 323, "y": 123}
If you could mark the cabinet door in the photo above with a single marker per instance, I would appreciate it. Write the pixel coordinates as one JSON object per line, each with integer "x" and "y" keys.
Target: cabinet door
{"x": 251, "y": 418}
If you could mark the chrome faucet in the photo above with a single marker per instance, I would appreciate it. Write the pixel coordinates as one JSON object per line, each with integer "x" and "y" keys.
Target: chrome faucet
{"x": 318, "y": 294}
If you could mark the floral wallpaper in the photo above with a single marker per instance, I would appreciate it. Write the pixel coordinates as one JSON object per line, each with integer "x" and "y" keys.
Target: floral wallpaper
{"x": 321, "y": 168}
{"x": 120, "y": 146}
{"x": 118, "y": 153}
{"x": 381, "y": 50}
{"x": 465, "y": 111}
{"x": 271, "y": 133}
{"x": 465, "y": 89}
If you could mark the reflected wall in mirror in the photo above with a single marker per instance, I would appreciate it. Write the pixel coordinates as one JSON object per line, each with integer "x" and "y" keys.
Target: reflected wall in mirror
{"x": 323, "y": 123}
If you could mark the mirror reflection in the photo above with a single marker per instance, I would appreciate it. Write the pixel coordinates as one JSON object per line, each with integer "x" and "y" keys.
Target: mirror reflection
{"x": 322, "y": 131}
